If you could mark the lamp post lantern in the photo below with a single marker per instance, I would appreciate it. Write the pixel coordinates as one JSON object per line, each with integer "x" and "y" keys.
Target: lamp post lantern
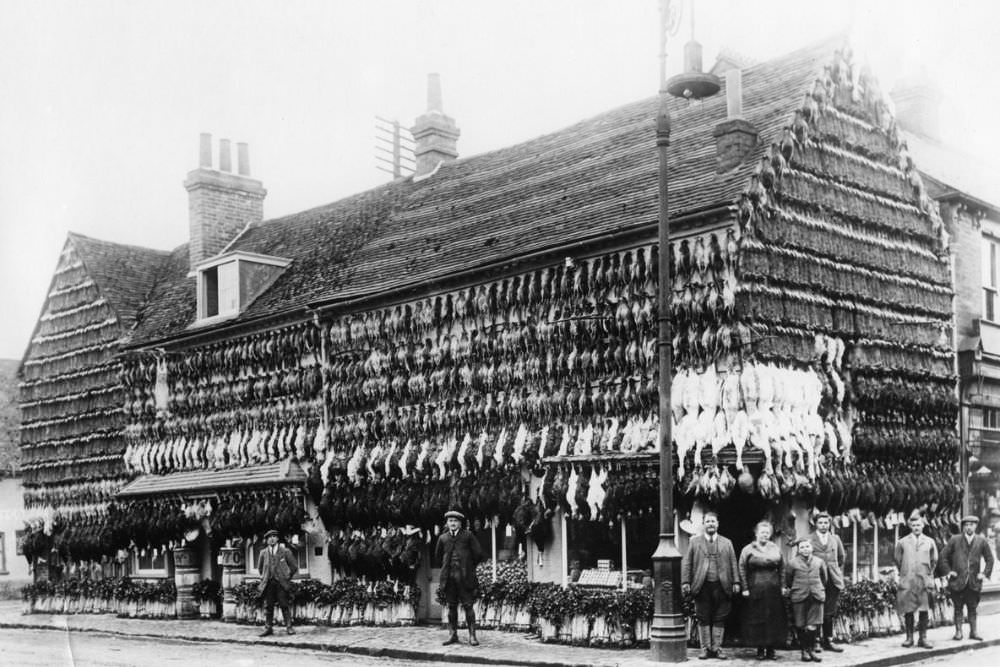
{"x": 668, "y": 636}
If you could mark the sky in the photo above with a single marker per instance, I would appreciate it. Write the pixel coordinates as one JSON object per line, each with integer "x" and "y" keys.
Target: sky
{"x": 102, "y": 102}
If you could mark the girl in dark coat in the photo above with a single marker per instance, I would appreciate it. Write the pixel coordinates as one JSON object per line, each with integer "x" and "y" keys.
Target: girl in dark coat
{"x": 761, "y": 573}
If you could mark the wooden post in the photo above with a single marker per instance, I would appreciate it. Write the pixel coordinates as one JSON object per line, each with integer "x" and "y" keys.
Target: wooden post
{"x": 854, "y": 551}
{"x": 493, "y": 547}
{"x": 875, "y": 552}
{"x": 624, "y": 557}
{"x": 564, "y": 550}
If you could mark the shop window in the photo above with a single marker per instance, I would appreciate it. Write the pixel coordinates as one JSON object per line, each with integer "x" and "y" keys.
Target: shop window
{"x": 300, "y": 550}
{"x": 990, "y": 279}
{"x": 642, "y": 535}
{"x": 588, "y": 542}
{"x": 150, "y": 563}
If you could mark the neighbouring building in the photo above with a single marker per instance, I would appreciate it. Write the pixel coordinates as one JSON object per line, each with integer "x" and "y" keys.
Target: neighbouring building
{"x": 13, "y": 566}
{"x": 482, "y": 335}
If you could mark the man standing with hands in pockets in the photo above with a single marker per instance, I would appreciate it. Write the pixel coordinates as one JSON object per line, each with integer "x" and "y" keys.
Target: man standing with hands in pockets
{"x": 277, "y": 565}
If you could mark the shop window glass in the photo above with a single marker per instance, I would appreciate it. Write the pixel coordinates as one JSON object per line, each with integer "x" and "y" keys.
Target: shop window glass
{"x": 991, "y": 418}
{"x": 590, "y": 541}
{"x": 253, "y": 555}
{"x": 151, "y": 562}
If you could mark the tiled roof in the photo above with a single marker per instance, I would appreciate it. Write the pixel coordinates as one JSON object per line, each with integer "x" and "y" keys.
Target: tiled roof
{"x": 285, "y": 472}
{"x": 955, "y": 170}
{"x": 125, "y": 274}
{"x": 594, "y": 178}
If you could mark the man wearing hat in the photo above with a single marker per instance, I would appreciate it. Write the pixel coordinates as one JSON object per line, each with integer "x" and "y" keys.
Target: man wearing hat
{"x": 277, "y": 565}
{"x": 459, "y": 553}
{"x": 710, "y": 573}
{"x": 962, "y": 558}
{"x": 828, "y": 547}
{"x": 916, "y": 556}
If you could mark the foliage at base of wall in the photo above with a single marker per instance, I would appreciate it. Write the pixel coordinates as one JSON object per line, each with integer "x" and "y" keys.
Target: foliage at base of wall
{"x": 346, "y": 601}
{"x": 123, "y": 596}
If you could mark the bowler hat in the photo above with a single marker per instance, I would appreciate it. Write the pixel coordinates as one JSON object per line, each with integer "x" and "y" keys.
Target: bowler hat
{"x": 270, "y": 533}
{"x": 454, "y": 514}
{"x": 970, "y": 518}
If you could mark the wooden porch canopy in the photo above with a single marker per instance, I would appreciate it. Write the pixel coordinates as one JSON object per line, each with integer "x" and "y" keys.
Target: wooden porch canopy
{"x": 286, "y": 472}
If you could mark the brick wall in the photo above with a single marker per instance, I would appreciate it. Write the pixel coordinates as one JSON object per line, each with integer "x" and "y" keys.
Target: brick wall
{"x": 220, "y": 205}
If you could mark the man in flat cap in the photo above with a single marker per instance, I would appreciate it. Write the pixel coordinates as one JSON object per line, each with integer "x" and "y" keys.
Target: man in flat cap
{"x": 916, "y": 556}
{"x": 459, "y": 553}
{"x": 828, "y": 547}
{"x": 277, "y": 565}
{"x": 962, "y": 558}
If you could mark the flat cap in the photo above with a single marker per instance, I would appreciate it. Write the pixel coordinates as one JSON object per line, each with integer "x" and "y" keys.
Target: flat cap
{"x": 454, "y": 514}
{"x": 270, "y": 533}
{"x": 970, "y": 518}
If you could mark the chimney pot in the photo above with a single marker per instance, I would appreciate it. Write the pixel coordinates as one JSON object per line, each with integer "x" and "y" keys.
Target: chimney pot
{"x": 225, "y": 156}
{"x": 220, "y": 203}
{"x": 435, "y": 135}
{"x": 205, "y": 152}
{"x": 243, "y": 158}
{"x": 734, "y": 94}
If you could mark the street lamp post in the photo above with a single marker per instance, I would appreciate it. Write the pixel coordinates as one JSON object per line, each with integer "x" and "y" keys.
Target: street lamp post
{"x": 668, "y": 636}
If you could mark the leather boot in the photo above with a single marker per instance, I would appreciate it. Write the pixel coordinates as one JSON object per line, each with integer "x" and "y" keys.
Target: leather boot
{"x": 922, "y": 629}
{"x": 453, "y": 625}
{"x": 717, "y": 635}
{"x": 908, "y": 621}
{"x": 958, "y": 624}
{"x": 827, "y": 641}
{"x": 973, "y": 617}
{"x": 760, "y": 653}
{"x": 705, "y": 639}
{"x": 813, "y": 634}
{"x": 470, "y": 620}
{"x": 803, "y": 636}
{"x": 769, "y": 653}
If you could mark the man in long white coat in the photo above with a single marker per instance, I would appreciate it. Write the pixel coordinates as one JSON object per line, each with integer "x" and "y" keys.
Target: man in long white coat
{"x": 916, "y": 557}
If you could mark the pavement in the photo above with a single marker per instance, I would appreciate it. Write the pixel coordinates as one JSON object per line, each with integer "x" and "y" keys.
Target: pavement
{"x": 497, "y": 648}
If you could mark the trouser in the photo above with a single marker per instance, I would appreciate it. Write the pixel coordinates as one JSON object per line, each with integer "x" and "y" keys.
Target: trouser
{"x": 966, "y": 598}
{"x": 711, "y": 607}
{"x": 274, "y": 593}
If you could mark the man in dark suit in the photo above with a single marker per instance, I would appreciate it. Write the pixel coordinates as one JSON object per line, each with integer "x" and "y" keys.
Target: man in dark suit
{"x": 708, "y": 572}
{"x": 459, "y": 553}
{"x": 277, "y": 565}
{"x": 828, "y": 548}
{"x": 962, "y": 558}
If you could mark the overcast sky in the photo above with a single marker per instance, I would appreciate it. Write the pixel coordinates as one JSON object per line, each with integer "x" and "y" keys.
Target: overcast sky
{"x": 101, "y": 102}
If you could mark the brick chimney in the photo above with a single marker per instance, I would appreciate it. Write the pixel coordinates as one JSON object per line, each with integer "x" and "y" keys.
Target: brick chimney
{"x": 918, "y": 106}
{"x": 220, "y": 203}
{"x": 735, "y": 137}
{"x": 435, "y": 135}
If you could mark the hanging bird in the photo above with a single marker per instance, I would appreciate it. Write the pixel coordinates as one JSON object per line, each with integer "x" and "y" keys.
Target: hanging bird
{"x": 777, "y": 162}
{"x": 800, "y": 129}
{"x": 766, "y": 173}
{"x": 787, "y": 145}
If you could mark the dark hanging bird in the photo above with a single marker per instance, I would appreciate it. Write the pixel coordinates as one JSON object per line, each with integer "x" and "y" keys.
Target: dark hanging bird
{"x": 810, "y": 109}
{"x": 777, "y": 162}
{"x": 766, "y": 173}
{"x": 800, "y": 128}
{"x": 746, "y": 211}
{"x": 787, "y": 145}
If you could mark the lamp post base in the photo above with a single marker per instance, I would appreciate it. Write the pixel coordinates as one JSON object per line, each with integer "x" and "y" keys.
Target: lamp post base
{"x": 667, "y": 634}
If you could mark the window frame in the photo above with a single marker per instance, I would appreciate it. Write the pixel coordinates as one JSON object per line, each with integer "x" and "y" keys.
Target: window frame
{"x": 990, "y": 277}
{"x": 209, "y": 275}
{"x": 150, "y": 572}
{"x": 3, "y": 552}
{"x": 301, "y": 553}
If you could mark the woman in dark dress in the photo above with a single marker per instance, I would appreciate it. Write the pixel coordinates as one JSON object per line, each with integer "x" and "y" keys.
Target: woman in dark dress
{"x": 761, "y": 574}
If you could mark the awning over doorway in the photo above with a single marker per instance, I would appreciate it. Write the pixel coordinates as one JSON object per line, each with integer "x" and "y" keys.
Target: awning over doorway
{"x": 195, "y": 481}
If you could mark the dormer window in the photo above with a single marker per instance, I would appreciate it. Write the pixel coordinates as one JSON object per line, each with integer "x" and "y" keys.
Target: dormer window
{"x": 228, "y": 283}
